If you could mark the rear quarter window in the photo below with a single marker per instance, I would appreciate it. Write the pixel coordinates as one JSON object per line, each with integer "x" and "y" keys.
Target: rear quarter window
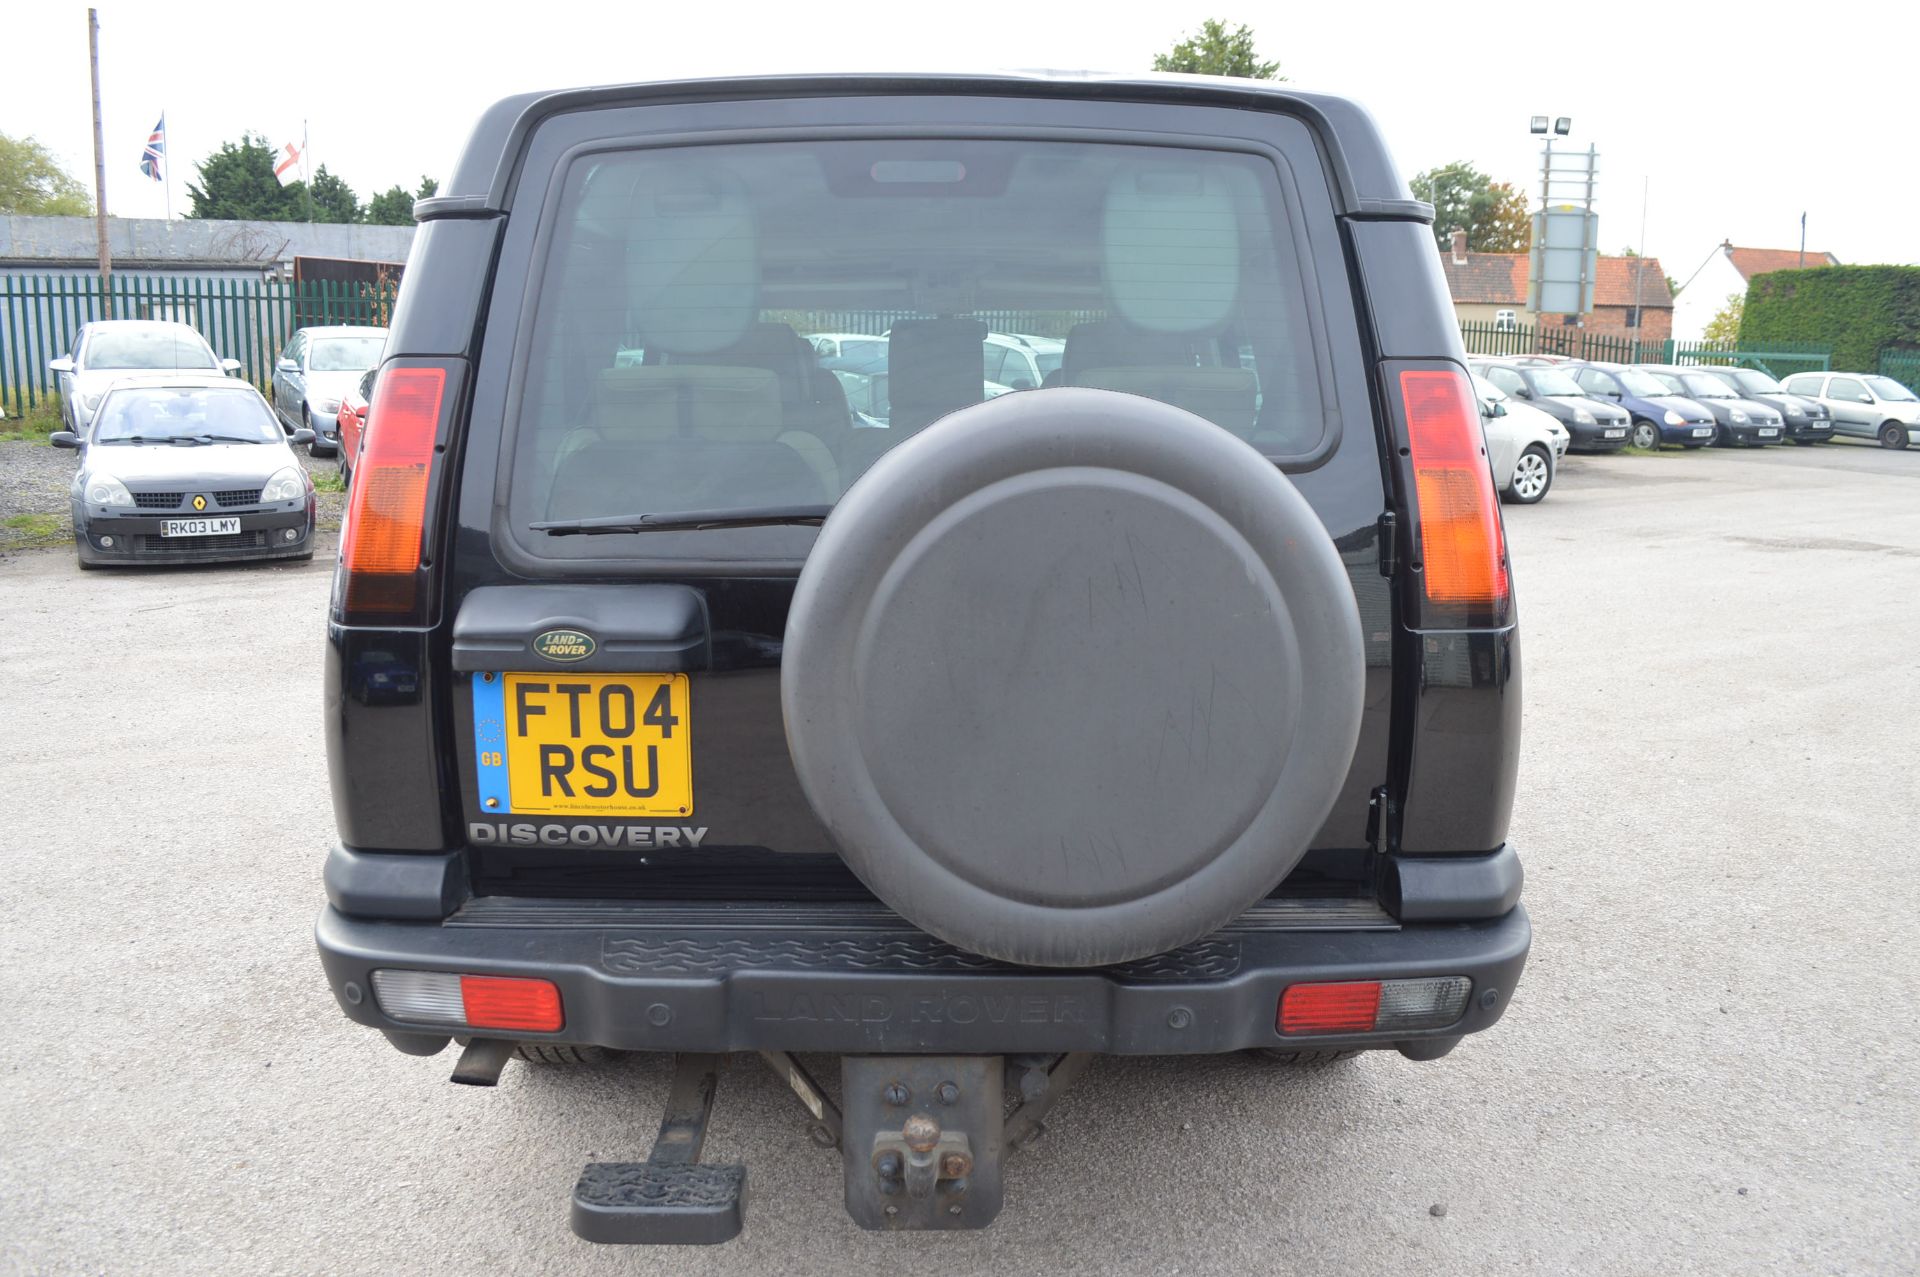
{"x": 729, "y": 327}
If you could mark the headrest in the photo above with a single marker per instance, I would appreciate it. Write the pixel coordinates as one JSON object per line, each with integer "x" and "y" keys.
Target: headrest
{"x": 934, "y": 367}
{"x": 1108, "y": 343}
{"x": 695, "y": 401}
{"x": 774, "y": 347}
{"x": 1228, "y": 397}
{"x": 693, "y": 258}
{"x": 1171, "y": 247}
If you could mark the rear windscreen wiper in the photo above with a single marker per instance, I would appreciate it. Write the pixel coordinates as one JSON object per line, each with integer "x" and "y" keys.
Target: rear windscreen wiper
{"x": 689, "y": 520}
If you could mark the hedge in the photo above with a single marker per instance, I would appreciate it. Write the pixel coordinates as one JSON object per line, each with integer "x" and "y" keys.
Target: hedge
{"x": 1858, "y": 310}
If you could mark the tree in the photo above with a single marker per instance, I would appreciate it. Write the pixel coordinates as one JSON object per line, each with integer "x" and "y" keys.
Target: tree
{"x": 394, "y": 207}
{"x": 237, "y": 183}
{"x": 1725, "y": 326}
{"x": 333, "y": 199}
{"x": 1505, "y": 224}
{"x": 1218, "y": 51}
{"x": 33, "y": 183}
{"x": 1493, "y": 214}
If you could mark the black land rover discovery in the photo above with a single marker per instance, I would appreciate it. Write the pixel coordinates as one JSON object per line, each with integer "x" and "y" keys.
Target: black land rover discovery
{"x": 1169, "y": 706}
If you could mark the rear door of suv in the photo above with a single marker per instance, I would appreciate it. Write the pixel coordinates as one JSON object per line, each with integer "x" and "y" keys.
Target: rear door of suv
{"x": 937, "y": 219}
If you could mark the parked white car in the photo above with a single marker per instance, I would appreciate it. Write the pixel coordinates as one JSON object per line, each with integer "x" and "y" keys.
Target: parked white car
{"x": 315, "y": 372}
{"x": 108, "y": 351}
{"x": 1524, "y": 444}
{"x": 1864, "y": 405}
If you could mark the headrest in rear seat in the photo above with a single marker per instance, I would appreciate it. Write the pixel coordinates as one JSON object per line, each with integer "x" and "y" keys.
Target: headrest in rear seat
{"x": 695, "y": 401}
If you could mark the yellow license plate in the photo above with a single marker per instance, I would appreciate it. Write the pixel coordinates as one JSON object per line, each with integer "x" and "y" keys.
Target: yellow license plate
{"x": 599, "y": 744}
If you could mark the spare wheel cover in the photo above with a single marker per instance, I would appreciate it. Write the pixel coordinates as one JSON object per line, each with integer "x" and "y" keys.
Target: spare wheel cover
{"x": 1072, "y": 677}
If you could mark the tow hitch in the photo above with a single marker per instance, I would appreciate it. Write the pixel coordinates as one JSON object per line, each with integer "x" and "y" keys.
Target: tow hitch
{"x": 921, "y": 1141}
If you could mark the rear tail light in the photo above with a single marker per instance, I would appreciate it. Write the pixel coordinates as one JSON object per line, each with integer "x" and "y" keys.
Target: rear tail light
{"x": 383, "y": 541}
{"x": 1373, "y": 1006}
{"x": 1459, "y": 547}
{"x": 469, "y": 1001}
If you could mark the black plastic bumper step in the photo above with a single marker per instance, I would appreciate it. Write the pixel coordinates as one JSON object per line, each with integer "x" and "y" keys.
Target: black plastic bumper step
{"x": 670, "y": 1199}
{"x": 651, "y": 1204}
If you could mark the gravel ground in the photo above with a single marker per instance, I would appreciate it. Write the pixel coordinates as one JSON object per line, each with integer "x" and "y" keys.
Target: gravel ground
{"x": 1707, "y": 1067}
{"x": 35, "y": 479}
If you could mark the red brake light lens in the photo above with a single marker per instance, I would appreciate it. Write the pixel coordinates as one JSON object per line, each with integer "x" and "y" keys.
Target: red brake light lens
{"x": 383, "y": 539}
{"x": 1463, "y": 553}
{"x": 498, "y": 1002}
{"x": 1349, "y": 1007}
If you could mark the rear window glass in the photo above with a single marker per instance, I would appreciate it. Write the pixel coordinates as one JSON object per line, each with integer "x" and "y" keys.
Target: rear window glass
{"x": 174, "y": 348}
{"x": 346, "y": 354}
{"x": 733, "y": 327}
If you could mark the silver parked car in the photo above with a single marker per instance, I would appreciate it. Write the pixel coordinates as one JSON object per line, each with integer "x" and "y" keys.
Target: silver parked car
{"x": 112, "y": 350}
{"x": 189, "y": 469}
{"x": 1864, "y": 405}
{"x": 315, "y": 372}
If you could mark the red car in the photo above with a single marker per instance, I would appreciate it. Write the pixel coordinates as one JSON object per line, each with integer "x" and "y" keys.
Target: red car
{"x": 353, "y": 422}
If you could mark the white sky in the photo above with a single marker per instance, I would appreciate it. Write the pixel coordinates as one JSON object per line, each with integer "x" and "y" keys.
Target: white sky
{"x": 1736, "y": 114}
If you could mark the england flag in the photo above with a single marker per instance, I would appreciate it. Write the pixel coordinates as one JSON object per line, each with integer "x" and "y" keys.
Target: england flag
{"x": 154, "y": 158}
{"x": 286, "y": 165}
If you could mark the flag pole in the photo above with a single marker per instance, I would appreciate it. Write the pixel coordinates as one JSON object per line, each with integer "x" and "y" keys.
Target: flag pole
{"x": 166, "y": 166}
{"x": 306, "y": 169}
{"x": 99, "y": 167}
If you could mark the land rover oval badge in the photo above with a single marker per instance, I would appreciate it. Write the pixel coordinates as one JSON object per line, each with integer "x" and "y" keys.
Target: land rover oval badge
{"x": 564, "y": 645}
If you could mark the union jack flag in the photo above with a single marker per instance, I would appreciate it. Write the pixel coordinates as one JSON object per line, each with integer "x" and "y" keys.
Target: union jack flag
{"x": 155, "y": 155}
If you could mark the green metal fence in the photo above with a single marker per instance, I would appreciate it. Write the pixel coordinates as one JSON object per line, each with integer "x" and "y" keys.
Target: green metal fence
{"x": 1903, "y": 366}
{"x": 247, "y": 320}
{"x": 1781, "y": 359}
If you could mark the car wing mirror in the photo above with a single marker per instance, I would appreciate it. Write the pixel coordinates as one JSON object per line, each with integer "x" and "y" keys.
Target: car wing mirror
{"x": 60, "y": 365}
{"x": 285, "y": 365}
{"x": 64, "y": 439}
{"x": 1865, "y": 398}
{"x": 229, "y": 366}
{"x": 302, "y": 435}
{"x": 1499, "y": 409}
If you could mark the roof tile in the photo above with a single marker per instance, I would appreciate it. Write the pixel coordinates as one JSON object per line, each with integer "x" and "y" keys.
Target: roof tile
{"x": 1500, "y": 279}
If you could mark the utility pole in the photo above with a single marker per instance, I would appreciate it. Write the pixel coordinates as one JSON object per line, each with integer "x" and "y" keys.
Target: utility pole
{"x": 1803, "y": 241}
{"x": 1640, "y": 263}
{"x": 99, "y": 168}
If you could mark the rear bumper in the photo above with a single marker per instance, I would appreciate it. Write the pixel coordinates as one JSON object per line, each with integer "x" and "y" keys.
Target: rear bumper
{"x": 829, "y": 978}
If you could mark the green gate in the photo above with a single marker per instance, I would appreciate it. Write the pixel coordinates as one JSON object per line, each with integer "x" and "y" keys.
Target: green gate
{"x": 1782, "y": 359}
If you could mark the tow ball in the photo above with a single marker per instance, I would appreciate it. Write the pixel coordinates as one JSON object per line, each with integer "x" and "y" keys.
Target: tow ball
{"x": 923, "y": 1140}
